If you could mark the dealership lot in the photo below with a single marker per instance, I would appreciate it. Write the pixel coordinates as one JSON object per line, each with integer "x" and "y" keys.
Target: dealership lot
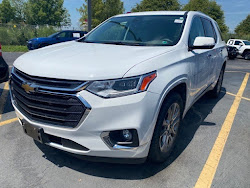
{"x": 25, "y": 163}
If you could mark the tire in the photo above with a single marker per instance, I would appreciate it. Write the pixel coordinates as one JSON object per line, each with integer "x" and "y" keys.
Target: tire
{"x": 159, "y": 152}
{"x": 247, "y": 55}
{"x": 215, "y": 93}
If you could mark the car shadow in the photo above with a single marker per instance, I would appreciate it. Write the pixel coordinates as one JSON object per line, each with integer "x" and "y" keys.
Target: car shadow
{"x": 193, "y": 119}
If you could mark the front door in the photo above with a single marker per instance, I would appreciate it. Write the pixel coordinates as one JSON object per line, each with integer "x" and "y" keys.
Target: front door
{"x": 199, "y": 60}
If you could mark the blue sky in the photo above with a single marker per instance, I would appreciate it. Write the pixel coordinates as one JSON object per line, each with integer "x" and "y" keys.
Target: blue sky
{"x": 235, "y": 10}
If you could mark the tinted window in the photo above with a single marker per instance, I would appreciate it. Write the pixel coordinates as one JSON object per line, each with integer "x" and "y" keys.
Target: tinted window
{"x": 209, "y": 30}
{"x": 246, "y": 42}
{"x": 219, "y": 30}
{"x": 157, "y": 30}
{"x": 196, "y": 30}
{"x": 237, "y": 42}
{"x": 64, "y": 34}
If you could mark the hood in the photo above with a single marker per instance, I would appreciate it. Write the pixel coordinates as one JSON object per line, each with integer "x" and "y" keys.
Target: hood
{"x": 85, "y": 61}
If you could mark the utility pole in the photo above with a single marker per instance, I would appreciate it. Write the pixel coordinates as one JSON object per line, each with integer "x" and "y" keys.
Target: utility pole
{"x": 89, "y": 15}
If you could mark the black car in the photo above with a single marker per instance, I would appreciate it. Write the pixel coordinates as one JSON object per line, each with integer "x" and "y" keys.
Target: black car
{"x": 62, "y": 36}
{"x": 4, "y": 68}
{"x": 232, "y": 52}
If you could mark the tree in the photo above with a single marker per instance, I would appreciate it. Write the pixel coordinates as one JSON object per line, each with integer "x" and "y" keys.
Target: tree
{"x": 97, "y": 12}
{"x": 19, "y": 6}
{"x": 7, "y": 12}
{"x": 156, "y": 5}
{"x": 101, "y": 10}
{"x": 244, "y": 27}
{"x": 49, "y": 12}
{"x": 211, "y": 8}
{"x": 112, "y": 7}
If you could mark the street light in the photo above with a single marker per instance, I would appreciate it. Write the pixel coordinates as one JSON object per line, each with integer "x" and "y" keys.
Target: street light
{"x": 89, "y": 15}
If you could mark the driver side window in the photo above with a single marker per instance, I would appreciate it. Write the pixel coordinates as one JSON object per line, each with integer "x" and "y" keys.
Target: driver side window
{"x": 237, "y": 42}
{"x": 195, "y": 31}
{"x": 64, "y": 35}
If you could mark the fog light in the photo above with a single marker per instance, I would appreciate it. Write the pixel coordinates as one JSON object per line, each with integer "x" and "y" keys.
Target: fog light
{"x": 127, "y": 135}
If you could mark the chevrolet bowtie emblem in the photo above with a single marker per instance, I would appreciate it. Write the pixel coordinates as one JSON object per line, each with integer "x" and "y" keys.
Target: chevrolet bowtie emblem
{"x": 28, "y": 88}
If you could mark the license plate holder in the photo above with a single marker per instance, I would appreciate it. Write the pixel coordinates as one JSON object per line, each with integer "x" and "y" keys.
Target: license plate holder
{"x": 34, "y": 132}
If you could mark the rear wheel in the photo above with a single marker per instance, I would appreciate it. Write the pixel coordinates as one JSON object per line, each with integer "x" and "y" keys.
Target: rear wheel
{"x": 247, "y": 55}
{"x": 217, "y": 89}
{"x": 166, "y": 128}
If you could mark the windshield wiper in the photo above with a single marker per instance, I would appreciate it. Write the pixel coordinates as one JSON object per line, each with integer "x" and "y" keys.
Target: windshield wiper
{"x": 116, "y": 43}
{"x": 125, "y": 43}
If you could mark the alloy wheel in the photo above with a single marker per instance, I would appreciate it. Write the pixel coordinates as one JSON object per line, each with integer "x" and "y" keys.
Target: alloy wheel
{"x": 170, "y": 127}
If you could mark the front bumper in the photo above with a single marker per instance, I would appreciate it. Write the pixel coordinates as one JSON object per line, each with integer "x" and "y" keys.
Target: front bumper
{"x": 138, "y": 111}
{"x": 31, "y": 46}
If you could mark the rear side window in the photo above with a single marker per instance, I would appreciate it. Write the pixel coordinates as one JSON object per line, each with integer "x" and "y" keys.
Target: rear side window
{"x": 209, "y": 29}
{"x": 76, "y": 35}
{"x": 231, "y": 42}
{"x": 196, "y": 30}
{"x": 237, "y": 42}
{"x": 218, "y": 28}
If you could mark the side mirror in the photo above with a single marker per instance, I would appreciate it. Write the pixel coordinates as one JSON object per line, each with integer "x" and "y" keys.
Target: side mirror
{"x": 241, "y": 44}
{"x": 203, "y": 43}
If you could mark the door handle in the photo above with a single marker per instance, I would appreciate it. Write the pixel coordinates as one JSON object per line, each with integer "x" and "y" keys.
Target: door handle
{"x": 209, "y": 56}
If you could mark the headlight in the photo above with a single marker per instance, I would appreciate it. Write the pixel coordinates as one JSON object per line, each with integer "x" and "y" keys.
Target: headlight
{"x": 121, "y": 87}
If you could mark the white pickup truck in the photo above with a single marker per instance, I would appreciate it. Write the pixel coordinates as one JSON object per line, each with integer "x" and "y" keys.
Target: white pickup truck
{"x": 243, "y": 47}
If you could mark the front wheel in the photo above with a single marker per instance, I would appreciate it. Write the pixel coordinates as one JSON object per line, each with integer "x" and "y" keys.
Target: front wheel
{"x": 166, "y": 128}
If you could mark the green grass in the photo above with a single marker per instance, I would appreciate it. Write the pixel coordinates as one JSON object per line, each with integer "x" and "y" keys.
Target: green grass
{"x": 14, "y": 48}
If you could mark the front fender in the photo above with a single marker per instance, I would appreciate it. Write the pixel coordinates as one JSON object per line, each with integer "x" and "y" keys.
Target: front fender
{"x": 182, "y": 79}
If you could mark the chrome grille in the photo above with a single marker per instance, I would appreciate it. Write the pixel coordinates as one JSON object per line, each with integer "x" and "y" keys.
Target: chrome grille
{"x": 53, "y": 102}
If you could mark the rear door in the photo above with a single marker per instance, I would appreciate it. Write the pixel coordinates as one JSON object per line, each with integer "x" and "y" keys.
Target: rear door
{"x": 213, "y": 55}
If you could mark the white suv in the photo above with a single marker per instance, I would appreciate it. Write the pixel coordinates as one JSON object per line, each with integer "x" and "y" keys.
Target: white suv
{"x": 243, "y": 47}
{"x": 122, "y": 90}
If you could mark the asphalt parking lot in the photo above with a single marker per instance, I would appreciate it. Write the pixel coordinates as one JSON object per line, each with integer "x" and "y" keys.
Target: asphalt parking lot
{"x": 213, "y": 148}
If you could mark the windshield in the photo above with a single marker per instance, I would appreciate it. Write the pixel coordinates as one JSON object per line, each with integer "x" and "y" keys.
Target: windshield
{"x": 53, "y": 35}
{"x": 246, "y": 42}
{"x": 158, "y": 30}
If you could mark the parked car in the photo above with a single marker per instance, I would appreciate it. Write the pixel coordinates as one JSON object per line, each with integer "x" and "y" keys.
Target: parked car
{"x": 243, "y": 47}
{"x": 62, "y": 36}
{"x": 232, "y": 52}
{"x": 4, "y": 68}
{"x": 121, "y": 91}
